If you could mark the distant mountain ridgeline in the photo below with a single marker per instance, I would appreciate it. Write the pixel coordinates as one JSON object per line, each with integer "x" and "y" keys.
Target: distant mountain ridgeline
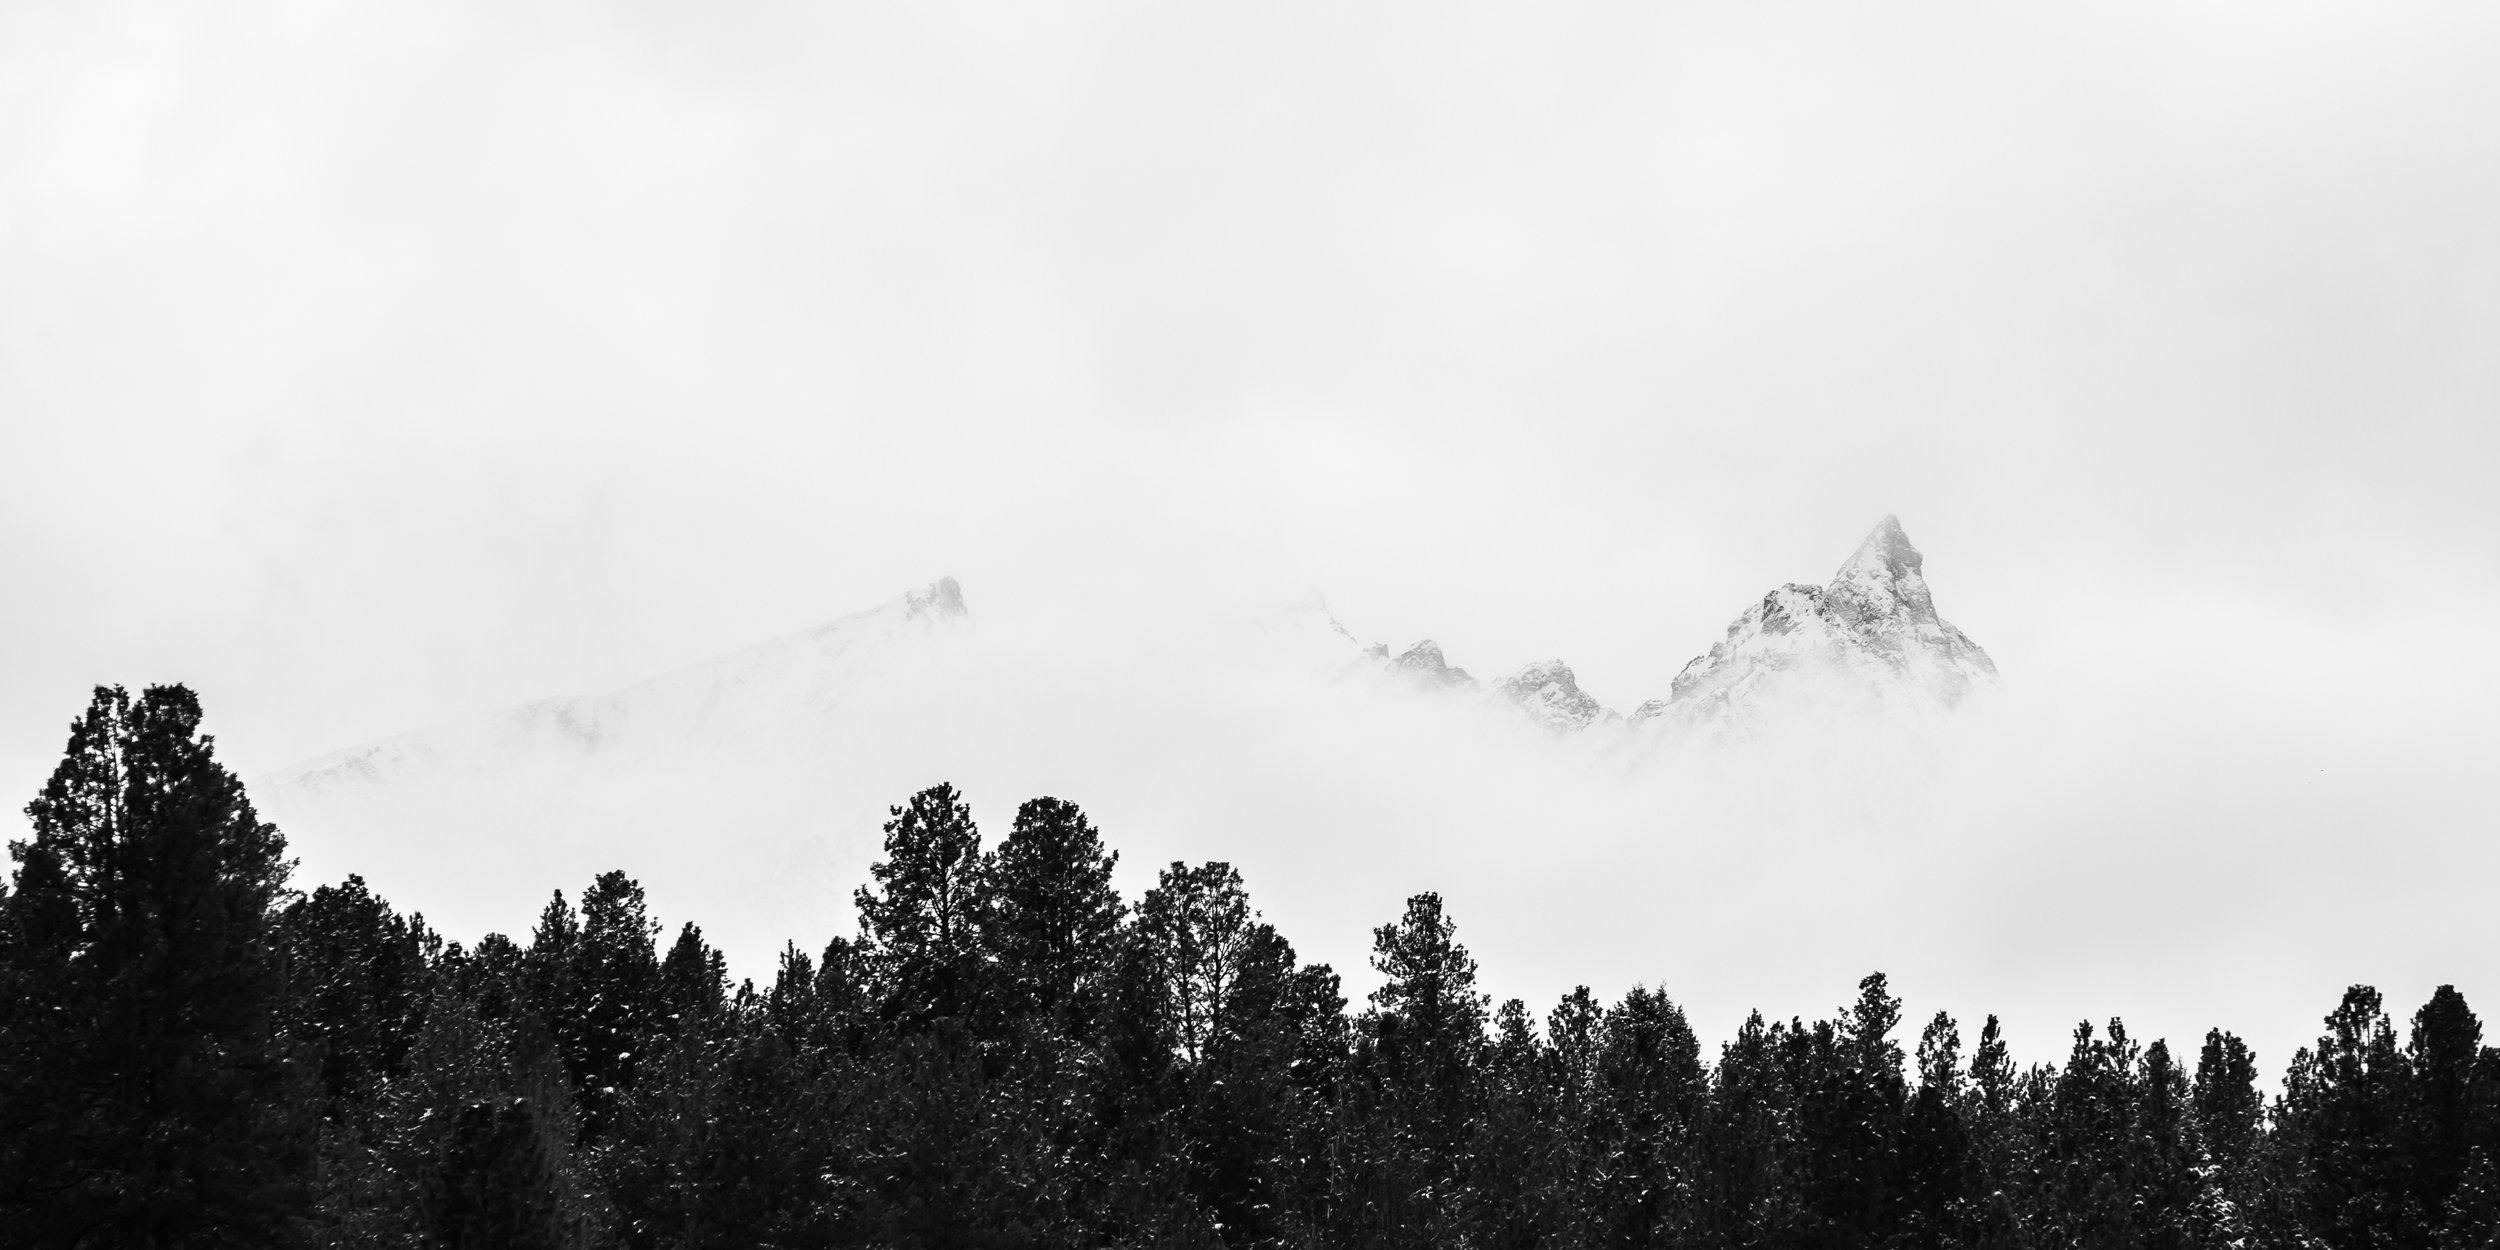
{"x": 785, "y": 753}
{"x": 1010, "y": 1053}
{"x": 1869, "y": 643}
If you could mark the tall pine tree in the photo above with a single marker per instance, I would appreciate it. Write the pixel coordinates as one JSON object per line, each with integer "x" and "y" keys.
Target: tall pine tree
{"x": 150, "y": 1095}
{"x": 920, "y": 924}
{"x": 1054, "y": 919}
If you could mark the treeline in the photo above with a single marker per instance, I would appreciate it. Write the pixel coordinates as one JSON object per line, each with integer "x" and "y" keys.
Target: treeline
{"x": 1009, "y": 1054}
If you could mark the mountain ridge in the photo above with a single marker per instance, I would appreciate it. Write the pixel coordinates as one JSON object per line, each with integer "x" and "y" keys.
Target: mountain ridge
{"x": 809, "y": 668}
{"x": 1870, "y": 636}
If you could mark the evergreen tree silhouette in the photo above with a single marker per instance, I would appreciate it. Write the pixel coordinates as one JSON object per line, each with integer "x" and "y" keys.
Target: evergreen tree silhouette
{"x": 2442, "y": 1059}
{"x": 2349, "y": 1099}
{"x": 694, "y": 980}
{"x": 2229, "y": 1110}
{"x": 920, "y": 923}
{"x": 148, "y": 1096}
{"x": 1650, "y": 1086}
{"x": 1938, "y": 1175}
{"x": 615, "y": 980}
{"x": 359, "y": 978}
{"x": 1006, "y": 1055}
{"x": 1054, "y": 919}
{"x": 1422, "y": 1044}
{"x": 1197, "y": 929}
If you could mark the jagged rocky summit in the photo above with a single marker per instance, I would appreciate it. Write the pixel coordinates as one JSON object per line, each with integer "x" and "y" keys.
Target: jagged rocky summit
{"x": 1545, "y": 692}
{"x": 1549, "y": 695}
{"x": 1423, "y": 666}
{"x": 1869, "y": 640}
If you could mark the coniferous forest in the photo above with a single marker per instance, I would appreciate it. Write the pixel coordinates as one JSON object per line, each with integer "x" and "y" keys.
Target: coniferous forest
{"x": 195, "y": 1053}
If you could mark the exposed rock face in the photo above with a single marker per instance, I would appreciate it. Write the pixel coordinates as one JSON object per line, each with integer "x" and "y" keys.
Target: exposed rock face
{"x": 1548, "y": 694}
{"x": 1423, "y": 665}
{"x": 1869, "y": 639}
{"x": 941, "y": 600}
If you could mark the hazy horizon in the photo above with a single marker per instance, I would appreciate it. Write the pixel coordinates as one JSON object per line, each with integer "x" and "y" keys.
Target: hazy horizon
{"x": 367, "y": 370}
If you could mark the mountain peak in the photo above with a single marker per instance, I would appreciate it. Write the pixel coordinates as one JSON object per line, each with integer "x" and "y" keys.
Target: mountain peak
{"x": 1886, "y": 550}
{"x": 1873, "y": 631}
{"x": 1424, "y": 664}
{"x": 1883, "y": 583}
{"x": 942, "y": 599}
{"x": 1550, "y": 695}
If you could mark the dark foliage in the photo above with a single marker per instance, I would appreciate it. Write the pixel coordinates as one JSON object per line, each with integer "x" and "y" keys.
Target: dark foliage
{"x": 149, "y": 1091}
{"x": 1007, "y": 1055}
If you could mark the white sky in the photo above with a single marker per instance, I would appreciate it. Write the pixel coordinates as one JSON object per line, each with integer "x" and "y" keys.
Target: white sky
{"x": 367, "y": 366}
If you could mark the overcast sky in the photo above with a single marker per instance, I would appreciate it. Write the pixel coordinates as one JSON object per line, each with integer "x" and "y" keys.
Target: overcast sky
{"x": 366, "y": 366}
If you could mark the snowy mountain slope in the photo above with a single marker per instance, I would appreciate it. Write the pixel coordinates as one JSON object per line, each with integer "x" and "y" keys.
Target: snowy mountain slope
{"x": 762, "y": 776}
{"x": 1424, "y": 667}
{"x": 746, "y": 789}
{"x": 1869, "y": 641}
{"x": 761, "y": 693}
{"x": 1545, "y": 694}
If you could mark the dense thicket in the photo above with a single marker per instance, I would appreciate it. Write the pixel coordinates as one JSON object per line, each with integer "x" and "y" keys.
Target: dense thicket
{"x": 1010, "y": 1054}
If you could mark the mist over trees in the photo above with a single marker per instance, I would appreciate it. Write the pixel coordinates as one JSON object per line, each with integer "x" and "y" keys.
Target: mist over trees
{"x": 1009, "y": 1054}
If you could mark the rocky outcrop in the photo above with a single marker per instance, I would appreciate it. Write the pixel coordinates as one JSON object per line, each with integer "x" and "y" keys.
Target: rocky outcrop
{"x": 1870, "y": 638}
{"x": 1550, "y": 696}
{"x": 1425, "y": 667}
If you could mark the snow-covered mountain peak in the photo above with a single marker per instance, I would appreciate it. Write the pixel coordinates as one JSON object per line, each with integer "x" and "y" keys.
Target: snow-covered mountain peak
{"x": 1883, "y": 588}
{"x": 1551, "y": 696}
{"x": 1424, "y": 665}
{"x": 1886, "y": 552}
{"x": 1871, "y": 639}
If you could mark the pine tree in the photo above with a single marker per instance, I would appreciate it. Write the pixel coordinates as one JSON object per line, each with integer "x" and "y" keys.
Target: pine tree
{"x": 1430, "y": 991}
{"x": 1749, "y": 1190}
{"x": 2225, "y": 1102}
{"x": 360, "y": 981}
{"x": 2163, "y": 1140}
{"x": 1423, "y": 1042}
{"x": 1248, "y": 1098}
{"x": 1518, "y": 1182}
{"x": 1573, "y": 1109}
{"x": 1197, "y": 929}
{"x": 1054, "y": 918}
{"x": 1650, "y": 1088}
{"x": 920, "y": 923}
{"x": 1006, "y": 1056}
{"x": 1051, "y": 927}
{"x": 616, "y": 977}
{"x": 149, "y": 1091}
{"x": 1224, "y": 995}
{"x": 550, "y": 984}
{"x": 359, "y": 978}
{"x": 2099, "y": 1176}
{"x": 694, "y": 980}
{"x": 2441, "y": 1057}
{"x": 2471, "y": 1220}
{"x": 1935, "y": 1138}
{"x": 2349, "y": 1099}
{"x": 1851, "y": 1097}
{"x": 484, "y": 1127}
